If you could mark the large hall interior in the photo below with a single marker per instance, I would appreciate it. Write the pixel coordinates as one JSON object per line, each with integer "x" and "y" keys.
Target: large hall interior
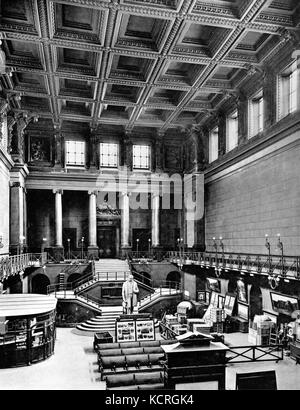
{"x": 149, "y": 194}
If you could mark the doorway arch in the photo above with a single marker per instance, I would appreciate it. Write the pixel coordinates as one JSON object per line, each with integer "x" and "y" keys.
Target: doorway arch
{"x": 173, "y": 277}
{"x": 256, "y": 305}
{"x": 39, "y": 284}
{"x": 14, "y": 284}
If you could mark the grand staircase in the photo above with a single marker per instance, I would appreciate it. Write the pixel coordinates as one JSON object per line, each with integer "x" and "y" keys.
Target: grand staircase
{"x": 107, "y": 270}
{"x": 105, "y": 322}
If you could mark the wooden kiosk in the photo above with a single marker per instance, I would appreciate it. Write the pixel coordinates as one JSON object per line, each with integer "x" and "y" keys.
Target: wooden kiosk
{"x": 27, "y": 328}
{"x": 194, "y": 359}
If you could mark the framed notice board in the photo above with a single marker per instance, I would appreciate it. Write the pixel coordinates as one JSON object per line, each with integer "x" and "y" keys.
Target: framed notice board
{"x": 145, "y": 330}
{"x": 125, "y": 331}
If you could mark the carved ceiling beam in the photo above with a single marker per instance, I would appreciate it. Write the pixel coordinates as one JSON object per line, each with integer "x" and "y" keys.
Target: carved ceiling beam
{"x": 110, "y": 32}
{"x": 48, "y": 53}
{"x": 248, "y": 15}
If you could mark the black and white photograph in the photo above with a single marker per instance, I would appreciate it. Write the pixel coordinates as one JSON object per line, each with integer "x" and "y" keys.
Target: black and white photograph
{"x": 149, "y": 197}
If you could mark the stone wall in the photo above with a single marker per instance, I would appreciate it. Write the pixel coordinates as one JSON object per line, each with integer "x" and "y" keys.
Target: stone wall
{"x": 257, "y": 198}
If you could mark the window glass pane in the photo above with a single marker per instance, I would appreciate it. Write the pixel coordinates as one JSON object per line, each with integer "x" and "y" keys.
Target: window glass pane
{"x": 260, "y": 114}
{"x": 109, "y": 155}
{"x": 213, "y": 145}
{"x": 75, "y": 153}
{"x": 232, "y": 131}
{"x": 141, "y": 156}
{"x": 288, "y": 93}
{"x": 293, "y": 92}
{"x": 257, "y": 116}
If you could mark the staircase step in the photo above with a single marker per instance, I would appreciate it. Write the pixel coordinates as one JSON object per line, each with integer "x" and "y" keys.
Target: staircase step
{"x": 95, "y": 330}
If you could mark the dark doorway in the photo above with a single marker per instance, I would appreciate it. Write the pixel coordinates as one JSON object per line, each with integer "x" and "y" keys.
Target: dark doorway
{"x": 106, "y": 241}
{"x": 140, "y": 239}
{"x": 14, "y": 284}
{"x": 71, "y": 234}
{"x": 39, "y": 284}
{"x": 232, "y": 286}
{"x": 256, "y": 306}
{"x": 173, "y": 277}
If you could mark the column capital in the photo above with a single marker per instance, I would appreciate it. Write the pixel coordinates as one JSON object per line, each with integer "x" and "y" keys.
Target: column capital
{"x": 155, "y": 194}
{"x": 95, "y": 192}
{"x": 122, "y": 194}
{"x": 58, "y": 191}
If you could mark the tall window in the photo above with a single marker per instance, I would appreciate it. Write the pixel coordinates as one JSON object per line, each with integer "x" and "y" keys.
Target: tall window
{"x": 141, "y": 156}
{"x": 213, "y": 144}
{"x": 256, "y": 117}
{"x": 75, "y": 153}
{"x": 232, "y": 131}
{"x": 288, "y": 95}
{"x": 109, "y": 155}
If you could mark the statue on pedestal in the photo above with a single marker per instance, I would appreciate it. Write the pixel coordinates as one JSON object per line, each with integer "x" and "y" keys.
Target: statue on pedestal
{"x": 129, "y": 294}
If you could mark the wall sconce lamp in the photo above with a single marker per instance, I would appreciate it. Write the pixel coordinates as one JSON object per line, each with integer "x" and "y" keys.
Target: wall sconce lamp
{"x": 279, "y": 243}
{"x": 221, "y": 244}
{"x": 218, "y": 272}
{"x": 215, "y": 245}
{"x": 267, "y": 243}
{"x": 273, "y": 281}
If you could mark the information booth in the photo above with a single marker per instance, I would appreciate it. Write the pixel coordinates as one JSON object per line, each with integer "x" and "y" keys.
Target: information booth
{"x": 27, "y": 328}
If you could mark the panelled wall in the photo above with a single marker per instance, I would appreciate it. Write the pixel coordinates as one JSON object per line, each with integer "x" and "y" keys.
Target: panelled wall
{"x": 257, "y": 196}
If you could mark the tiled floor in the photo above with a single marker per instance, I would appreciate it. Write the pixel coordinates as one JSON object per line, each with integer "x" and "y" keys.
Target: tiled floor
{"x": 74, "y": 367}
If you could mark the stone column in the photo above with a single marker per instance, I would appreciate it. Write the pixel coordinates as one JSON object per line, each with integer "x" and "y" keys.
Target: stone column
{"x": 155, "y": 220}
{"x": 58, "y": 248}
{"x": 125, "y": 223}
{"x": 93, "y": 248}
{"x": 17, "y": 208}
{"x": 158, "y": 165}
{"x": 57, "y": 146}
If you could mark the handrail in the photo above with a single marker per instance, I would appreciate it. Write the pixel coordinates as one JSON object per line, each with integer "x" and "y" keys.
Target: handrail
{"x": 285, "y": 266}
{"x": 62, "y": 292}
{"x": 16, "y": 264}
{"x": 141, "y": 277}
{"x": 173, "y": 288}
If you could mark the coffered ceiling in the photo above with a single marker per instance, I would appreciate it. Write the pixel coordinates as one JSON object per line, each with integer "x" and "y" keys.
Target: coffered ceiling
{"x": 156, "y": 63}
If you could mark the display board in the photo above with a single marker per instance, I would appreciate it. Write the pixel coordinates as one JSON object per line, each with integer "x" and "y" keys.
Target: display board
{"x": 135, "y": 330}
{"x": 214, "y": 300}
{"x": 145, "y": 330}
{"x": 283, "y": 303}
{"x": 243, "y": 311}
{"x": 213, "y": 284}
{"x": 221, "y": 301}
{"x": 229, "y": 304}
{"x": 241, "y": 291}
{"x": 201, "y": 296}
{"x": 125, "y": 331}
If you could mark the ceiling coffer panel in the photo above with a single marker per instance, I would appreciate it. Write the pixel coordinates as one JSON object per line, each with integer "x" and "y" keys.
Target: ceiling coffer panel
{"x": 136, "y": 63}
